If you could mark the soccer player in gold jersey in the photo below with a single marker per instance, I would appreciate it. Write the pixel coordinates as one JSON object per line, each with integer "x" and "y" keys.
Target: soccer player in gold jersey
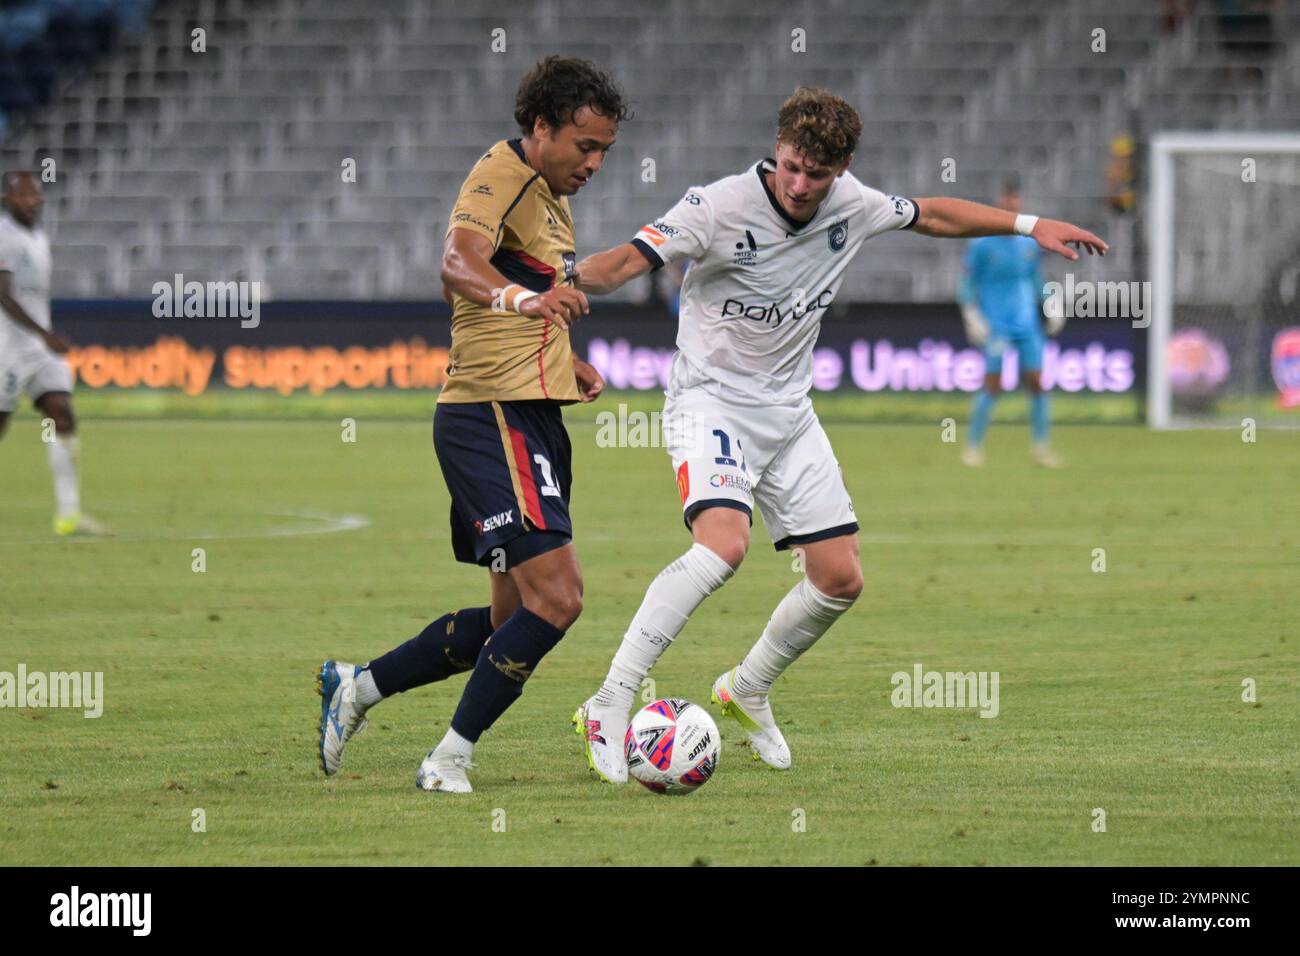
{"x": 508, "y": 268}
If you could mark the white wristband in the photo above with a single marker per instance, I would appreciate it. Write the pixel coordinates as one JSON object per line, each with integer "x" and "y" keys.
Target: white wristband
{"x": 521, "y": 298}
{"x": 1025, "y": 224}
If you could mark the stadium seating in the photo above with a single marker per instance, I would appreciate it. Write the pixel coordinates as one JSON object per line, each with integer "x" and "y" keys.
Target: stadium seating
{"x": 44, "y": 40}
{"x": 229, "y": 162}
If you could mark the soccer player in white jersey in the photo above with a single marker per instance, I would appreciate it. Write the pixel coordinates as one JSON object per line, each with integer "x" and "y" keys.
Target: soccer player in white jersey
{"x": 29, "y": 347}
{"x": 767, "y": 249}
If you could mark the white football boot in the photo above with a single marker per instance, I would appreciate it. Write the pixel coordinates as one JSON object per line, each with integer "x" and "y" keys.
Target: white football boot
{"x": 340, "y": 717}
{"x": 1045, "y": 457}
{"x": 444, "y": 770}
{"x": 754, "y": 714}
{"x": 602, "y": 730}
{"x": 80, "y": 525}
{"x": 972, "y": 457}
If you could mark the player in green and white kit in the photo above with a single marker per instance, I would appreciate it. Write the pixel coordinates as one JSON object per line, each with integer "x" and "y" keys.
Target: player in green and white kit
{"x": 29, "y": 347}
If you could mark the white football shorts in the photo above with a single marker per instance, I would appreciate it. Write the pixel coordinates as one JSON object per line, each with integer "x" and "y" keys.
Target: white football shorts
{"x": 729, "y": 455}
{"x": 31, "y": 373}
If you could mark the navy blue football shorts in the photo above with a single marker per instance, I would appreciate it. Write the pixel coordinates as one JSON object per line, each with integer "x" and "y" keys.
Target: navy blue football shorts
{"x": 509, "y": 469}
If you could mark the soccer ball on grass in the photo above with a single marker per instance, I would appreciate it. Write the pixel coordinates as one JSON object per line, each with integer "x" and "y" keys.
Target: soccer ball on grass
{"x": 672, "y": 746}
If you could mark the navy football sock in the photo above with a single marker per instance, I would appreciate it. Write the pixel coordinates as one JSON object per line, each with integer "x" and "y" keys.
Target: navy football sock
{"x": 450, "y": 645}
{"x": 505, "y": 662}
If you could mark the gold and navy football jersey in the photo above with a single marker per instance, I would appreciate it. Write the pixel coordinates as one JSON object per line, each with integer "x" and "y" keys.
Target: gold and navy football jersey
{"x": 504, "y": 356}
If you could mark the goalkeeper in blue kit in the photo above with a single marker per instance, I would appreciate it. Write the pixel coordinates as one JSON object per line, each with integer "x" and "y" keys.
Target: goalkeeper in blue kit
{"x": 1001, "y": 302}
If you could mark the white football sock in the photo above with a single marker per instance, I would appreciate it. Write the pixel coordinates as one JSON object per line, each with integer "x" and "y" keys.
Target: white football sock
{"x": 367, "y": 694}
{"x": 669, "y": 601}
{"x": 63, "y": 453}
{"x": 455, "y": 743}
{"x": 803, "y": 616}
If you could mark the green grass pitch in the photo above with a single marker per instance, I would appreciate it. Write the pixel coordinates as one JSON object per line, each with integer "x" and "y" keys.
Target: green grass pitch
{"x": 1119, "y": 690}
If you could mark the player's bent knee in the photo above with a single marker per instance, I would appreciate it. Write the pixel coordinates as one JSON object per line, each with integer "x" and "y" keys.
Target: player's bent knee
{"x": 847, "y": 587}
{"x": 835, "y": 569}
{"x": 724, "y": 531}
{"x": 58, "y": 408}
{"x": 502, "y": 610}
{"x": 557, "y": 601}
{"x": 842, "y": 583}
{"x": 730, "y": 549}
{"x": 63, "y": 422}
{"x": 560, "y": 607}
{"x": 550, "y": 585}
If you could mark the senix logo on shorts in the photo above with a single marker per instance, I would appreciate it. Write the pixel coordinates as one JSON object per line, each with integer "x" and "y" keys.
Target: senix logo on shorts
{"x": 773, "y": 314}
{"x": 496, "y": 521}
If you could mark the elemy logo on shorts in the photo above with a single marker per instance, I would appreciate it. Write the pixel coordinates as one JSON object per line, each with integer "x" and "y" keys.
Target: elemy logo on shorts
{"x": 729, "y": 481}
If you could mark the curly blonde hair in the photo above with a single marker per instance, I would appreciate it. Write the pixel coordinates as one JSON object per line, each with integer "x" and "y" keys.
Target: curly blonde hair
{"x": 819, "y": 124}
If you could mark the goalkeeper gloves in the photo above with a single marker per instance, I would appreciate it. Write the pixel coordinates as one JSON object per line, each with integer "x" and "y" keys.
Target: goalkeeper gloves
{"x": 977, "y": 327}
{"x": 1054, "y": 313}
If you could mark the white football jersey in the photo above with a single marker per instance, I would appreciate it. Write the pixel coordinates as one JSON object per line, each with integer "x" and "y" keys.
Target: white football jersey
{"x": 25, "y": 253}
{"x": 759, "y": 281}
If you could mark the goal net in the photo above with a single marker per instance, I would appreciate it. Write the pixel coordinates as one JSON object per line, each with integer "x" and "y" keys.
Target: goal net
{"x": 1224, "y": 339}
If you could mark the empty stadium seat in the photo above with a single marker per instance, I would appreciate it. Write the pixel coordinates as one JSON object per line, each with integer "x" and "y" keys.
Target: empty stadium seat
{"x": 232, "y": 159}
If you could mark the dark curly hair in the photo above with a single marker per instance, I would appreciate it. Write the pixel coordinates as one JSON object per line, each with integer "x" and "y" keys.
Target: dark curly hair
{"x": 819, "y": 124}
{"x": 558, "y": 86}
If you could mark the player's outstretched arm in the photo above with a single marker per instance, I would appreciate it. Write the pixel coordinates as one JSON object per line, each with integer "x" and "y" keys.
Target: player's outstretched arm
{"x": 602, "y": 273}
{"x": 10, "y": 307}
{"x": 949, "y": 218}
{"x": 467, "y": 270}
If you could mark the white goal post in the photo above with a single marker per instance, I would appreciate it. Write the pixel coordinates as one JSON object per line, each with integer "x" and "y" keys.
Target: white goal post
{"x": 1224, "y": 219}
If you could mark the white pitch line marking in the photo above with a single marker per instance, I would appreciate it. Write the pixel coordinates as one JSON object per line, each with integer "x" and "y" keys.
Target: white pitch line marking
{"x": 320, "y": 523}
